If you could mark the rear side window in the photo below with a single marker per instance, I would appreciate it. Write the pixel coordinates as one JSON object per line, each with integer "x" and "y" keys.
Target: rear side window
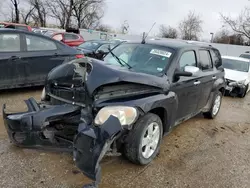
{"x": 247, "y": 56}
{"x": 187, "y": 59}
{"x": 10, "y": 43}
{"x": 205, "y": 60}
{"x": 35, "y": 43}
{"x": 58, "y": 37}
{"x": 216, "y": 57}
{"x": 68, "y": 36}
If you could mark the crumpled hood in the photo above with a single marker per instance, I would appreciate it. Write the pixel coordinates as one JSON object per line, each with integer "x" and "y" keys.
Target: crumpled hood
{"x": 235, "y": 75}
{"x": 101, "y": 74}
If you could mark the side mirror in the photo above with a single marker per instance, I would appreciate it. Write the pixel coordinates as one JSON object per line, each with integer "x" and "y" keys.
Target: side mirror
{"x": 192, "y": 69}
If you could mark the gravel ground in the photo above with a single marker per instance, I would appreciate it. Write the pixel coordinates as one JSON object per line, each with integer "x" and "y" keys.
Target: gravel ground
{"x": 198, "y": 153}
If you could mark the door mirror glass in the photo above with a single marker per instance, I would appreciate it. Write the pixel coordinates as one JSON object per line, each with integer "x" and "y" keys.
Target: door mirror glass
{"x": 192, "y": 69}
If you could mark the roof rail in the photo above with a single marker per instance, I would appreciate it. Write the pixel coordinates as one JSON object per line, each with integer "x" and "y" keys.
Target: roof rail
{"x": 199, "y": 43}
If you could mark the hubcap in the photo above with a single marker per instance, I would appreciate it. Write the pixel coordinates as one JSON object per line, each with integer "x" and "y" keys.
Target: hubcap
{"x": 150, "y": 140}
{"x": 216, "y": 105}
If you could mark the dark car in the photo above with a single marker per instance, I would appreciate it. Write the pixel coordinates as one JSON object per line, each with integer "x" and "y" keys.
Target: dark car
{"x": 26, "y": 58}
{"x": 96, "y": 48}
{"x": 125, "y": 103}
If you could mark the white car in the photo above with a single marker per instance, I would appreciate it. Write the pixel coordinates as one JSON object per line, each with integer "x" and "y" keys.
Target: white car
{"x": 237, "y": 75}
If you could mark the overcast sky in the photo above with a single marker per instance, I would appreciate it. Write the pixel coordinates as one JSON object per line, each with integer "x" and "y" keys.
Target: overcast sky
{"x": 141, "y": 14}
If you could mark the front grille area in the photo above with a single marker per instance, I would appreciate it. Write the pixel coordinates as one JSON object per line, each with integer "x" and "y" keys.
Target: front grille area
{"x": 73, "y": 94}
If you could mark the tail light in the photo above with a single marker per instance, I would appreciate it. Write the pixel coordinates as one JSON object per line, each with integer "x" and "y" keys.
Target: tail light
{"x": 78, "y": 56}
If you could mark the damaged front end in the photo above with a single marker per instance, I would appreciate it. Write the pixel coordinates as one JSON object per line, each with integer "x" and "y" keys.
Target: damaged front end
{"x": 235, "y": 88}
{"x": 75, "y": 93}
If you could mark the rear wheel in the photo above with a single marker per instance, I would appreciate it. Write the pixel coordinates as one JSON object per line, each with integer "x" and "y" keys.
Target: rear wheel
{"x": 143, "y": 141}
{"x": 215, "y": 108}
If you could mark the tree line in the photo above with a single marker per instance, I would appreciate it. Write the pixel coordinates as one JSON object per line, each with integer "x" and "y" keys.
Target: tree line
{"x": 234, "y": 31}
{"x": 66, "y": 13}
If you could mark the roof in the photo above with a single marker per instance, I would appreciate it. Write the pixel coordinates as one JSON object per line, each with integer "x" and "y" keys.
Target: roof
{"x": 236, "y": 58}
{"x": 174, "y": 43}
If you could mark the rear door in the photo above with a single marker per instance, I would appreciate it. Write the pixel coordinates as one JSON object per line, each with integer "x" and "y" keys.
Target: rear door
{"x": 41, "y": 56}
{"x": 208, "y": 76}
{"x": 12, "y": 71}
{"x": 187, "y": 89}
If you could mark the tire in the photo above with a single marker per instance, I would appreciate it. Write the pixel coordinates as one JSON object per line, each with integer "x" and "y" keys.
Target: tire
{"x": 212, "y": 113}
{"x": 244, "y": 92}
{"x": 139, "y": 135}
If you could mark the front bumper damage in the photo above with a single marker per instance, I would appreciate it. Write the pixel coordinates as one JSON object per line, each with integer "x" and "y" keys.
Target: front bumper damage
{"x": 34, "y": 128}
{"x": 235, "y": 88}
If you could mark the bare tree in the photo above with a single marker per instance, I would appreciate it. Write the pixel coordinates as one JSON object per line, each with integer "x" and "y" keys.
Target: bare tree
{"x": 168, "y": 32}
{"x": 88, "y": 13}
{"x": 26, "y": 15}
{"x": 241, "y": 24}
{"x": 16, "y": 9}
{"x": 191, "y": 27}
{"x": 39, "y": 12}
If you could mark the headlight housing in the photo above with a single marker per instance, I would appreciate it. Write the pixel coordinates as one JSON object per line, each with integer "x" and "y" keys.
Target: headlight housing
{"x": 241, "y": 82}
{"x": 126, "y": 115}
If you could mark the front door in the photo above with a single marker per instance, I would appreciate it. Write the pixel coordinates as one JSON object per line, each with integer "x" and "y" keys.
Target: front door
{"x": 187, "y": 89}
{"x": 11, "y": 64}
{"x": 42, "y": 55}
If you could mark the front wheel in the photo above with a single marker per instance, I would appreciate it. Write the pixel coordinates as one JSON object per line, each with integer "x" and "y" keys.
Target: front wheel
{"x": 215, "y": 108}
{"x": 143, "y": 141}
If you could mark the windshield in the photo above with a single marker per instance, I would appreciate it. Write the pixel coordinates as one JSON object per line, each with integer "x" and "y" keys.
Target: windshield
{"x": 236, "y": 65}
{"x": 247, "y": 56}
{"x": 146, "y": 58}
{"x": 90, "y": 45}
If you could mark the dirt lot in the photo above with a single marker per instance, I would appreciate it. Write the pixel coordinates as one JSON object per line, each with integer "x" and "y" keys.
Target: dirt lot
{"x": 198, "y": 153}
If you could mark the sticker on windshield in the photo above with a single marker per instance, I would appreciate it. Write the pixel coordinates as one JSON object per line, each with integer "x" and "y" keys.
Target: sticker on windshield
{"x": 161, "y": 53}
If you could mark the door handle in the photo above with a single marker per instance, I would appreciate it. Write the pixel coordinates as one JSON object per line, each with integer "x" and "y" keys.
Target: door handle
{"x": 214, "y": 77}
{"x": 13, "y": 58}
{"x": 197, "y": 82}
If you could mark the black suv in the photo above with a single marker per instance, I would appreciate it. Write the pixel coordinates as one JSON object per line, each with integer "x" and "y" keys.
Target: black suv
{"x": 125, "y": 103}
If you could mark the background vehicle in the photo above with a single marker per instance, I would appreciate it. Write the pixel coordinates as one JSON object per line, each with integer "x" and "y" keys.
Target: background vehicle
{"x": 144, "y": 90}
{"x": 96, "y": 48}
{"x": 237, "y": 74}
{"x": 26, "y": 57}
{"x": 71, "y": 39}
{"x": 16, "y": 26}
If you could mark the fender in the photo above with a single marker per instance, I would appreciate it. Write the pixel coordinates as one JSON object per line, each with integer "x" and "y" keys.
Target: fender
{"x": 168, "y": 102}
{"x": 218, "y": 84}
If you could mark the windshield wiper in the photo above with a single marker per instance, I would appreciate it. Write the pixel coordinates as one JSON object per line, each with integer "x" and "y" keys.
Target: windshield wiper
{"x": 119, "y": 60}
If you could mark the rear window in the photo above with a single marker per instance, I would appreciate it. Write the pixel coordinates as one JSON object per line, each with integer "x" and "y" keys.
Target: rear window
{"x": 25, "y": 28}
{"x": 9, "y": 42}
{"x": 69, "y": 36}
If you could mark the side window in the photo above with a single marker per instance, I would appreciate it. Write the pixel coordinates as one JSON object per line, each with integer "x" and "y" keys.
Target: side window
{"x": 187, "y": 59}
{"x": 205, "y": 60}
{"x": 58, "y": 37}
{"x": 68, "y": 36}
{"x": 10, "y": 42}
{"x": 35, "y": 43}
{"x": 216, "y": 57}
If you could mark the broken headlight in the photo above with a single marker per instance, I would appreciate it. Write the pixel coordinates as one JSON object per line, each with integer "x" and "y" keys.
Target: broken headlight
{"x": 126, "y": 115}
